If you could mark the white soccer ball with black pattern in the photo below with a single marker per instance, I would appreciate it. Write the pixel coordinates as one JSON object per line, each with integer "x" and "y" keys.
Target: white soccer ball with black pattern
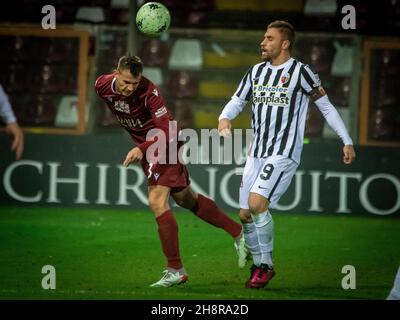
{"x": 153, "y": 18}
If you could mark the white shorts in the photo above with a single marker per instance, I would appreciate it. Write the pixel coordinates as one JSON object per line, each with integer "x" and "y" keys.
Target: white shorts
{"x": 269, "y": 177}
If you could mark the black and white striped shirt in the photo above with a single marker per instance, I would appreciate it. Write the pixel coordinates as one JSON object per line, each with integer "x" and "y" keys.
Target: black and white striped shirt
{"x": 280, "y": 97}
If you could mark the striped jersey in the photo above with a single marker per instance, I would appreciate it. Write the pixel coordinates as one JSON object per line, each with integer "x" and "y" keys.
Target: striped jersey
{"x": 280, "y": 97}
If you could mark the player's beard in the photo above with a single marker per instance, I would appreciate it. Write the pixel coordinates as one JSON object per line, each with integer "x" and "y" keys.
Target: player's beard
{"x": 265, "y": 56}
{"x": 268, "y": 57}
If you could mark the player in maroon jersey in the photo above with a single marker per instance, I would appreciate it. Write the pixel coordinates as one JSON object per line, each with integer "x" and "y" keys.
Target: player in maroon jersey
{"x": 139, "y": 107}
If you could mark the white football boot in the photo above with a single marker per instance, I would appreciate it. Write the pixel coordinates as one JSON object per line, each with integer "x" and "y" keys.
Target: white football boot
{"x": 243, "y": 253}
{"x": 170, "y": 279}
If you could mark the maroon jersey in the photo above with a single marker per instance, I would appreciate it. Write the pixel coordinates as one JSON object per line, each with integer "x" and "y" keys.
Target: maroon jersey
{"x": 138, "y": 113}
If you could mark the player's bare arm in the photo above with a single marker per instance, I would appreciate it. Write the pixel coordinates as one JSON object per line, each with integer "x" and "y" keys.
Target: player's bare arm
{"x": 134, "y": 155}
{"x": 224, "y": 127}
{"x": 17, "y": 138}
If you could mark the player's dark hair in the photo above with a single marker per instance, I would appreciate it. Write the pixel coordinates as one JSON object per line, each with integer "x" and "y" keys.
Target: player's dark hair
{"x": 286, "y": 29}
{"x": 133, "y": 63}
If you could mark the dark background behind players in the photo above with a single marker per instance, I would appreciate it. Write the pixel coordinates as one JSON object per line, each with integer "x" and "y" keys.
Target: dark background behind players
{"x": 47, "y": 75}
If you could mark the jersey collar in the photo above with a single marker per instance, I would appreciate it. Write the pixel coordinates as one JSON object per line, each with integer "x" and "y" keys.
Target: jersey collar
{"x": 113, "y": 85}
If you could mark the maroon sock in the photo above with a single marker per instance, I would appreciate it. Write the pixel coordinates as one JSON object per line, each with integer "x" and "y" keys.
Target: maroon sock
{"x": 207, "y": 210}
{"x": 168, "y": 232}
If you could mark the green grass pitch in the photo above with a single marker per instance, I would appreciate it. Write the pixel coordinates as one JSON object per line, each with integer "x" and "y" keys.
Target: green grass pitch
{"x": 115, "y": 254}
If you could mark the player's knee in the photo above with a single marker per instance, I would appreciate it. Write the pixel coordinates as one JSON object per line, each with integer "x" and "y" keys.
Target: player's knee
{"x": 185, "y": 199}
{"x": 257, "y": 205}
{"x": 158, "y": 205}
{"x": 181, "y": 202}
{"x": 186, "y": 203}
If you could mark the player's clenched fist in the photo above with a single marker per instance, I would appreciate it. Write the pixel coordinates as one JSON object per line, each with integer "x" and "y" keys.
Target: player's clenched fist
{"x": 224, "y": 128}
{"x": 349, "y": 154}
{"x": 134, "y": 155}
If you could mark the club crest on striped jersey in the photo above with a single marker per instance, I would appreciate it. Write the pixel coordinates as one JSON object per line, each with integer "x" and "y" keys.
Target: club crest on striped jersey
{"x": 285, "y": 78}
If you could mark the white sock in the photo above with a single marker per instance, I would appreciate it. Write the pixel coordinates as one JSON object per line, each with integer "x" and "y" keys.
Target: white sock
{"x": 395, "y": 292}
{"x": 394, "y": 295}
{"x": 251, "y": 239}
{"x": 181, "y": 271}
{"x": 265, "y": 233}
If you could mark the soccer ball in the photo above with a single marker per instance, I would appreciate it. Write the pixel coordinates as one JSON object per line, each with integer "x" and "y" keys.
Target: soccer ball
{"x": 153, "y": 18}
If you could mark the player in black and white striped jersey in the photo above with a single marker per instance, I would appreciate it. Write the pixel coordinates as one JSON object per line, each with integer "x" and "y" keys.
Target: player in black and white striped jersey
{"x": 280, "y": 88}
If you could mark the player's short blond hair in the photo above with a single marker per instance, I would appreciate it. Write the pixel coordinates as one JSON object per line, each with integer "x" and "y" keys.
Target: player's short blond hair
{"x": 286, "y": 29}
{"x": 133, "y": 63}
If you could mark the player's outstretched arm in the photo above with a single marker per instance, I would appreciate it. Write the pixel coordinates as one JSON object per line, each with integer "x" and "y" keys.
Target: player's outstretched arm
{"x": 335, "y": 121}
{"x": 349, "y": 154}
{"x": 134, "y": 155}
{"x": 311, "y": 84}
{"x": 235, "y": 105}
